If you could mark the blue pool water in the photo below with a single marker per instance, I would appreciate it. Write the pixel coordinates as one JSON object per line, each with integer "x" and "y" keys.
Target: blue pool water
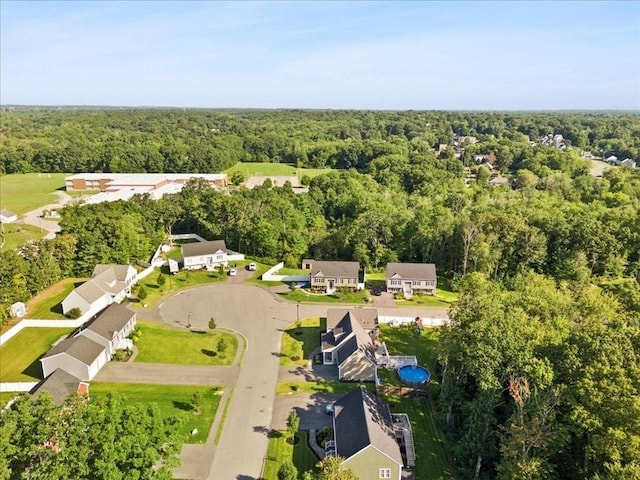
{"x": 414, "y": 375}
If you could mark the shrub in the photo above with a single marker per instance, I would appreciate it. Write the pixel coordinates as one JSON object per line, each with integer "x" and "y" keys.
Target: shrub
{"x": 295, "y": 358}
{"x": 288, "y": 471}
{"x": 74, "y": 313}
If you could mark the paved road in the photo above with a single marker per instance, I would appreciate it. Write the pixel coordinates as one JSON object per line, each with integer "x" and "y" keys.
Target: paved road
{"x": 253, "y": 410}
{"x": 33, "y": 217}
{"x": 256, "y": 314}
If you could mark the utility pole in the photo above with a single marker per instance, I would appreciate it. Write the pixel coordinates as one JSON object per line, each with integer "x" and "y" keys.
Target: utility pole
{"x": 189, "y": 320}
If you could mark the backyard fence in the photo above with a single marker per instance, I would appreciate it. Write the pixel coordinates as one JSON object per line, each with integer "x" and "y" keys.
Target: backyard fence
{"x": 17, "y": 386}
{"x": 269, "y": 275}
{"x": 394, "y": 320}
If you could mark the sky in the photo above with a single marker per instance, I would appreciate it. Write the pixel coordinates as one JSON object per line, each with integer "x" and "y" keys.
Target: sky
{"x": 392, "y": 55}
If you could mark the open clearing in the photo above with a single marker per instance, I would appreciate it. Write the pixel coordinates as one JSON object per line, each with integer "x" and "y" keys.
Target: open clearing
{"x": 172, "y": 400}
{"x": 178, "y": 281}
{"x": 48, "y": 303}
{"x": 22, "y": 192}
{"x": 17, "y": 234}
{"x": 275, "y": 169}
{"x": 19, "y": 356}
{"x": 161, "y": 344}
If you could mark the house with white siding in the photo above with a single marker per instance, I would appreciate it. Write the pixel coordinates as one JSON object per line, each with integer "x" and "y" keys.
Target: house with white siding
{"x": 209, "y": 255}
{"x": 410, "y": 278}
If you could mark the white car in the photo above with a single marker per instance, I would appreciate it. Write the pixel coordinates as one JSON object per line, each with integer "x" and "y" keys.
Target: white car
{"x": 252, "y": 267}
{"x": 233, "y": 272}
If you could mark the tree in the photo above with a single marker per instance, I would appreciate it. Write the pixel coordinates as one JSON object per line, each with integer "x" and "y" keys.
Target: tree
{"x": 287, "y": 471}
{"x": 196, "y": 401}
{"x": 142, "y": 292}
{"x": 305, "y": 180}
{"x": 221, "y": 346}
{"x": 51, "y": 442}
{"x": 237, "y": 178}
{"x": 161, "y": 280}
{"x": 331, "y": 469}
{"x": 293, "y": 422}
{"x": 212, "y": 323}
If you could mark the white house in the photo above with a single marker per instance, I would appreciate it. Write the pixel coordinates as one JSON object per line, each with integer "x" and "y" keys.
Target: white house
{"x": 80, "y": 356}
{"x": 207, "y": 255}
{"x": 108, "y": 284}
{"x": 111, "y": 327}
{"x": 410, "y": 278}
{"x": 7, "y": 216}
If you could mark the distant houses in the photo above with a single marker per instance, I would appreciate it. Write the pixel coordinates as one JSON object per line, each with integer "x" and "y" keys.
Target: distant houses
{"x": 330, "y": 276}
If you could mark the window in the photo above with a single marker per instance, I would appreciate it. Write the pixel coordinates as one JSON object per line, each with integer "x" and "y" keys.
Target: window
{"x": 396, "y": 282}
{"x": 384, "y": 473}
{"x": 338, "y": 280}
{"x": 417, "y": 282}
{"x": 430, "y": 283}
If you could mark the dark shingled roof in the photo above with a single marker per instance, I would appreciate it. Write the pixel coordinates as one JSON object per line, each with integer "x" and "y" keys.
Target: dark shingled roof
{"x": 335, "y": 269}
{"x": 360, "y": 420}
{"x": 79, "y": 347}
{"x": 110, "y": 321}
{"x": 412, "y": 271}
{"x": 90, "y": 291}
{"x": 203, "y": 248}
{"x": 59, "y": 385}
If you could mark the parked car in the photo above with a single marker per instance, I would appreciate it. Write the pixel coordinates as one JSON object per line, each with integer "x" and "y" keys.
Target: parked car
{"x": 233, "y": 271}
{"x": 252, "y": 267}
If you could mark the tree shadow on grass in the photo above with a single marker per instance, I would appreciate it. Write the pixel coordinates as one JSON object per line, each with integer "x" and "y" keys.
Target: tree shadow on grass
{"x": 199, "y": 332}
{"x": 208, "y": 353}
{"x": 187, "y": 407}
{"x": 57, "y": 308}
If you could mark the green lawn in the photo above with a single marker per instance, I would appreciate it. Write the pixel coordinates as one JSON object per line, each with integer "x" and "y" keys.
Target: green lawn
{"x": 48, "y": 303}
{"x": 172, "y": 400}
{"x": 6, "y": 396}
{"x": 19, "y": 356}
{"x": 444, "y": 297}
{"x": 22, "y": 192}
{"x": 17, "y": 234}
{"x": 294, "y": 388}
{"x": 178, "y": 281}
{"x": 300, "y": 342}
{"x": 256, "y": 278}
{"x": 249, "y": 169}
{"x": 280, "y": 451}
{"x": 164, "y": 344}
{"x": 300, "y": 295}
{"x": 432, "y": 460}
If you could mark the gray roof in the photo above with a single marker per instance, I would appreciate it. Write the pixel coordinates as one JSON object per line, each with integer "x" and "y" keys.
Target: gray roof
{"x": 117, "y": 272}
{"x": 412, "y": 271}
{"x": 110, "y": 321}
{"x": 79, "y": 347}
{"x": 90, "y": 291}
{"x": 349, "y": 336}
{"x": 59, "y": 385}
{"x": 367, "y": 317}
{"x": 335, "y": 269}
{"x": 203, "y": 248}
{"x": 360, "y": 420}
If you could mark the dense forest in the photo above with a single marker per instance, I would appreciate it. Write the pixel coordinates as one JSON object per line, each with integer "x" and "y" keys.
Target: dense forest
{"x": 540, "y": 369}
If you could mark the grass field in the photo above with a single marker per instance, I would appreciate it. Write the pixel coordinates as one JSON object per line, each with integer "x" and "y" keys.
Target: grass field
{"x": 299, "y": 295}
{"x": 280, "y": 451}
{"x": 22, "y": 192}
{"x": 19, "y": 356}
{"x": 17, "y": 234}
{"x": 249, "y": 169}
{"x": 162, "y": 344}
{"x": 47, "y": 304}
{"x": 172, "y": 400}
{"x": 300, "y": 342}
{"x": 183, "y": 279}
